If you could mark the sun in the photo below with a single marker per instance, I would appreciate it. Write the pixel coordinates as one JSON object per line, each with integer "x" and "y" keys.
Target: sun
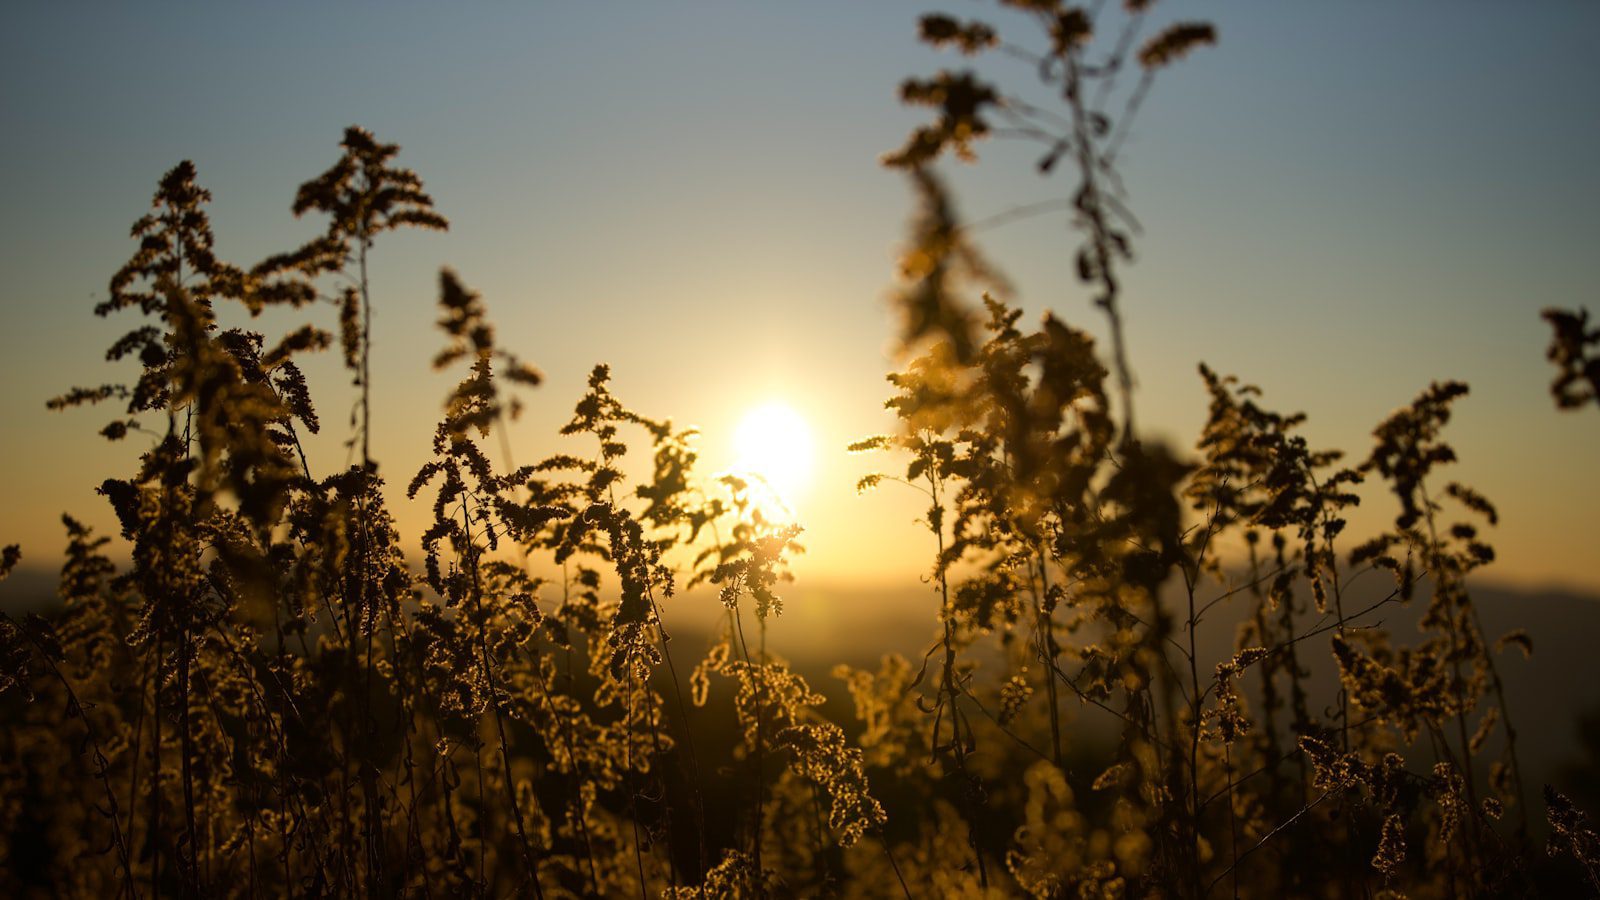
{"x": 773, "y": 443}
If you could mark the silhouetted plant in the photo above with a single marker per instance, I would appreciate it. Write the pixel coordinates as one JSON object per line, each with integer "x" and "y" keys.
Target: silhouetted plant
{"x": 1575, "y": 351}
{"x": 269, "y": 700}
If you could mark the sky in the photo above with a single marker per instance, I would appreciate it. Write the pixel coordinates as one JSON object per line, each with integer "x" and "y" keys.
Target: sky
{"x": 1339, "y": 202}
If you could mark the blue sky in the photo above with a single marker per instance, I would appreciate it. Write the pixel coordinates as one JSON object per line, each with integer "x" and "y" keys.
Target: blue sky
{"x": 1339, "y": 202}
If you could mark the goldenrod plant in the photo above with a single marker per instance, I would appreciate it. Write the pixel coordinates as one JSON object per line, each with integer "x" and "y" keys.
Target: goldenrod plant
{"x": 271, "y": 699}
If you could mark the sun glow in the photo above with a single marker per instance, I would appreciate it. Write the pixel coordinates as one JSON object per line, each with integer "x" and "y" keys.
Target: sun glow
{"x": 773, "y": 443}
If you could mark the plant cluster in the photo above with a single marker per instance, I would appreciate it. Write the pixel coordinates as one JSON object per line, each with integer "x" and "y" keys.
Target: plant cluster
{"x": 1575, "y": 352}
{"x": 269, "y": 699}
{"x": 277, "y": 703}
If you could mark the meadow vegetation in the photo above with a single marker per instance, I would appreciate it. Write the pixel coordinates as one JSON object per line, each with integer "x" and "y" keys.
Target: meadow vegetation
{"x": 270, "y": 699}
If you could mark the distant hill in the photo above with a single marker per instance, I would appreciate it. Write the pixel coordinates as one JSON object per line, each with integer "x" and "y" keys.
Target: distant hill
{"x": 28, "y": 589}
{"x": 1547, "y": 693}
{"x": 823, "y": 625}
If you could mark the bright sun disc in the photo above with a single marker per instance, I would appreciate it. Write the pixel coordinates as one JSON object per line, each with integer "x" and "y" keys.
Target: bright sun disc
{"x": 774, "y": 443}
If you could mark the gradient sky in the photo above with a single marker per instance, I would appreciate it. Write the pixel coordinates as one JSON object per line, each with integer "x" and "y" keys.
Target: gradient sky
{"x": 1340, "y": 203}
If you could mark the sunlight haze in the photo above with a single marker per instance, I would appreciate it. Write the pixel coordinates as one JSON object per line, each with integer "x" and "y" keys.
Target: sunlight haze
{"x": 773, "y": 443}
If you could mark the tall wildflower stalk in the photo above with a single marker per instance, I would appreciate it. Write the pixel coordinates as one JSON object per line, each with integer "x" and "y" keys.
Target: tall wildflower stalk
{"x": 1059, "y": 501}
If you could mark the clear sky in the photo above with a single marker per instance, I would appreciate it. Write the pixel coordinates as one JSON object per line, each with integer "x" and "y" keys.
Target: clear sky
{"x": 1340, "y": 202}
